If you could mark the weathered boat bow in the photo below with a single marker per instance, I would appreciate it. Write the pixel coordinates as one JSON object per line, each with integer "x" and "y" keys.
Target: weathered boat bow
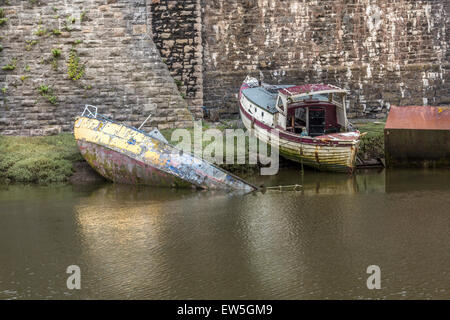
{"x": 124, "y": 154}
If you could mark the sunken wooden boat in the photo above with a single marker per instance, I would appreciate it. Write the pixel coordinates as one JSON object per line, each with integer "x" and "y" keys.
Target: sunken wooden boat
{"x": 124, "y": 154}
{"x": 308, "y": 123}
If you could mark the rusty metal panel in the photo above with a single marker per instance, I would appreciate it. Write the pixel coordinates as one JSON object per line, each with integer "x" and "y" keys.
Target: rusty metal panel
{"x": 419, "y": 118}
{"x": 417, "y": 148}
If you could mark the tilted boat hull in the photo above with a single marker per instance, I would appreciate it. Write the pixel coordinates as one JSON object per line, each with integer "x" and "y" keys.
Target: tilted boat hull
{"x": 126, "y": 155}
{"x": 323, "y": 155}
{"x": 120, "y": 168}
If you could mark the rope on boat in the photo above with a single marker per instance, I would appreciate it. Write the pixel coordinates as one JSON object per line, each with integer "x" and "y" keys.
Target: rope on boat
{"x": 294, "y": 187}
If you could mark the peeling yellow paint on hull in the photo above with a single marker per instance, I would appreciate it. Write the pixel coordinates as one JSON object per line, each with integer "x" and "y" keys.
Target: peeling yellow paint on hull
{"x": 126, "y": 155}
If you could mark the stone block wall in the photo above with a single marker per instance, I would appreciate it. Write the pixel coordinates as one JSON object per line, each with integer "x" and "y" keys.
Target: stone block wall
{"x": 119, "y": 67}
{"x": 385, "y": 52}
{"x": 177, "y": 32}
{"x": 171, "y": 57}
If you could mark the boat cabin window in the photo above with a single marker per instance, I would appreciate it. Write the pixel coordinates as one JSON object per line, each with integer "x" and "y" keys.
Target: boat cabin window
{"x": 296, "y": 120}
{"x": 313, "y": 120}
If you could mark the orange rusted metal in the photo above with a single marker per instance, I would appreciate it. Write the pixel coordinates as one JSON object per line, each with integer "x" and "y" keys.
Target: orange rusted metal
{"x": 418, "y": 136}
{"x": 419, "y": 118}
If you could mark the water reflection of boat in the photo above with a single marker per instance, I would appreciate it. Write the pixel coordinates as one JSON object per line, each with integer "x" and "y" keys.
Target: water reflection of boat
{"x": 323, "y": 183}
{"x": 128, "y": 155}
{"x": 158, "y": 233}
{"x": 123, "y": 193}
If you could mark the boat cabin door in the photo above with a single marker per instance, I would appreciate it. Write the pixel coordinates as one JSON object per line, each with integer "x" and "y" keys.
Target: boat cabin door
{"x": 316, "y": 122}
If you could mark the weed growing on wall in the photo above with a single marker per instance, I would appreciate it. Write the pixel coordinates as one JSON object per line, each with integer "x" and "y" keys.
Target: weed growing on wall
{"x": 56, "y": 53}
{"x": 30, "y": 44}
{"x": 2, "y": 17}
{"x": 40, "y": 32}
{"x": 68, "y": 23}
{"x": 10, "y": 66}
{"x": 83, "y": 16}
{"x": 47, "y": 92}
{"x": 75, "y": 69}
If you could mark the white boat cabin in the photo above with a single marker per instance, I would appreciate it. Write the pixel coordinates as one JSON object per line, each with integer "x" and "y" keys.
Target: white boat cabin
{"x": 308, "y": 110}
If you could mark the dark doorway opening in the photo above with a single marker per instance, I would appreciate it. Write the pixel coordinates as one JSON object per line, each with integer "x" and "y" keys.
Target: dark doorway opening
{"x": 316, "y": 122}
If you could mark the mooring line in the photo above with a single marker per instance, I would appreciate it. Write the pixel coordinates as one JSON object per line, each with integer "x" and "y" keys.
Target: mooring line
{"x": 294, "y": 187}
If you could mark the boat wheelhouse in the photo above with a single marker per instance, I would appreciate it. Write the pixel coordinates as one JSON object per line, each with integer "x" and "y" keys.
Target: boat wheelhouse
{"x": 308, "y": 122}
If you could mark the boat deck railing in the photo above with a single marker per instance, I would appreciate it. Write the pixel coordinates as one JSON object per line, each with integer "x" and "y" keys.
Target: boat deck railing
{"x": 92, "y": 113}
{"x": 87, "y": 111}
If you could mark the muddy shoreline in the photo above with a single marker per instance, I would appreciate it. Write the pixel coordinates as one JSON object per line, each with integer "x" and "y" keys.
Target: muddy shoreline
{"x": 84, "y": 174}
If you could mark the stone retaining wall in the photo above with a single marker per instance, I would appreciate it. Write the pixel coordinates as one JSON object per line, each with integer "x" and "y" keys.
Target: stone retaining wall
{"x": 384, "y": 52}
{"x": 171, "y": 57}
{"x": 120, "y": 69}
{"x": 177, "y": 32}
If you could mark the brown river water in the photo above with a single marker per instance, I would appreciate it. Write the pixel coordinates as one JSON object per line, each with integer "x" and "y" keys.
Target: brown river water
{"x": 150, "y": 243}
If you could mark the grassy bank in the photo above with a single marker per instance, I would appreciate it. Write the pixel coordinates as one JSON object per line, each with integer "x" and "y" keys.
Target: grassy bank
{"x": 372, "y": 144}
{"x": 37, "y": 159}
{"x": 228, "y": 144}
{"x": 371, "y": 147}
{"x": 51, "y": 159}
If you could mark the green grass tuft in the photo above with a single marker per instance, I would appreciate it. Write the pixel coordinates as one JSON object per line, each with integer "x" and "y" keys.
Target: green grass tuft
{"x": 37, "y": 159}
{"x": 236, "y": 168}
{"x": 372, "y": 144}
